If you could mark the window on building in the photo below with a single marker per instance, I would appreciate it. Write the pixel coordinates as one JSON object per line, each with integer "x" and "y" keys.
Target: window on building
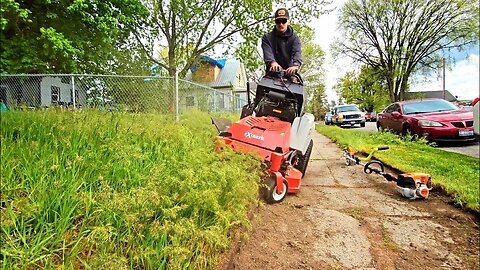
{"x": 221, "y": 101}
{"x": 3, "y": 94}
{"x": 65, "y": 79}
{"x": 76, "y": 97}
{"x": 190, "y": 101}
{"x": 55, "y": 94}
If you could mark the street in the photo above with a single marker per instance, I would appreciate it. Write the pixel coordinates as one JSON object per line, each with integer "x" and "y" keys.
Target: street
{"x": 469, "y": 149}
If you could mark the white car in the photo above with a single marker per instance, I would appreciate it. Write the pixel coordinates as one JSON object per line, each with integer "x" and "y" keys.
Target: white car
{"x": 348, "y": 115}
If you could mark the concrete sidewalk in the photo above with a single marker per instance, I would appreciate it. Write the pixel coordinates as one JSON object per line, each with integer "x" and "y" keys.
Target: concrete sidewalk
{"x": 343, "y": 218}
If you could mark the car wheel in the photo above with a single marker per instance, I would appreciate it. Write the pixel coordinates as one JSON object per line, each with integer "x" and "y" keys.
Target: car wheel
{"x": 362, "y": 124}
{"x": 407, "y": 131}
{"x": 380, "y": 127}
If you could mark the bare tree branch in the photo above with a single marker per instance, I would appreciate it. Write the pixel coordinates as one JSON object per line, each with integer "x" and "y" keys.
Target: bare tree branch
{"x": 399, "y": 37}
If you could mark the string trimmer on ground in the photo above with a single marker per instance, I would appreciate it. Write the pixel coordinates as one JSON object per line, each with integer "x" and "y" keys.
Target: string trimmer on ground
{"x": 410, "y": 185}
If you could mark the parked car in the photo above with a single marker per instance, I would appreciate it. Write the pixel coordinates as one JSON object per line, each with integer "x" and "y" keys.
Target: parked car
{"x": 348, "y": 115}
{"x": 328, "y": 118}
{"x": 433, "y": 119}
{"x": 476, "y": 117}
{"x": 370, "y": 116}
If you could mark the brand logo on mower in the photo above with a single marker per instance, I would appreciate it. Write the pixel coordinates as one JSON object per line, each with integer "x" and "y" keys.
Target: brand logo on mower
{"x": 250, "y": 135}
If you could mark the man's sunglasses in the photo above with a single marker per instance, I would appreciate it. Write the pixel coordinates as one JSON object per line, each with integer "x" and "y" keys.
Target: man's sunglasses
{"x": 281, "y": 21}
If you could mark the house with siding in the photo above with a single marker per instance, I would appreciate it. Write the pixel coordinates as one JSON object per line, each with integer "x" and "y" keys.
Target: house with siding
{"x": 40, "y": 91}
{"x": 432, "y": 94}
{"x": 227, "y": 76}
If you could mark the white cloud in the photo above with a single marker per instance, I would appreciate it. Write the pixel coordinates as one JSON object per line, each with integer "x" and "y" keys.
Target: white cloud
{"x": 325, "y": 32}
{"x": 462, "y": 79}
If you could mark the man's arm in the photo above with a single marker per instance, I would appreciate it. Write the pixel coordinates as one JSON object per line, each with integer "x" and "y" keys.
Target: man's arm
{"x": 297, "y": 52}
{"x": 268, "y": 56}
{"x": 296, "y": 56}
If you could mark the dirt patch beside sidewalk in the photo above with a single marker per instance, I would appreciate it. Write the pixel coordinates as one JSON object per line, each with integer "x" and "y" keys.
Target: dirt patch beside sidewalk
{"x": 345, "y": 219}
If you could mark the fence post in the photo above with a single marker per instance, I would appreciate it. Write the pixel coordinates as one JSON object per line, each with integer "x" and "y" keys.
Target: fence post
{"x": 177, "y": 117}
{"x": 73, "y": 92}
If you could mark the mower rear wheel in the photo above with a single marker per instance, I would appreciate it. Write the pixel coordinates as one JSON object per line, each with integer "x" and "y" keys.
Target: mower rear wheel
{"x": 304, "y": 159}
{"x": 270, "y": 190}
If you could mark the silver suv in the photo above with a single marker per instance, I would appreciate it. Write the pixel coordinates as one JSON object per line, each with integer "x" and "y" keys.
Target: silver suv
{"x": 348, "y": 115}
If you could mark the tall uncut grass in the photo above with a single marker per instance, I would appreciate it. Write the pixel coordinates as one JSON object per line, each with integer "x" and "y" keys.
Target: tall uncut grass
{"x": 458, "y": 174}
{"x": 114, "y": 191}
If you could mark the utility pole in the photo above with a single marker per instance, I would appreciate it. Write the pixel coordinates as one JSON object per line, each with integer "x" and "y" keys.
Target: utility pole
{"x": 443, "y": 76}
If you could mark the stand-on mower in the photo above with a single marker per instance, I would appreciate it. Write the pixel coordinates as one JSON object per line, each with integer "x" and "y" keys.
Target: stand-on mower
{"x": 275, "y": 127}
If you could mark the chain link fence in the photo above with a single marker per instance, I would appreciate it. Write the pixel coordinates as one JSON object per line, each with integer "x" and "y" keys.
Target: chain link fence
{"x": 114, "y": 93}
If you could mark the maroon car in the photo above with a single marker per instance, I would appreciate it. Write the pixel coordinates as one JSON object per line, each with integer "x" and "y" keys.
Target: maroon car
{"x": 434, "y": 119}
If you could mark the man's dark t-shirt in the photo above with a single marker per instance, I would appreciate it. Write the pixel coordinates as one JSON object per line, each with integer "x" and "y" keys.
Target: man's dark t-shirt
{"x": 283, "y": 48}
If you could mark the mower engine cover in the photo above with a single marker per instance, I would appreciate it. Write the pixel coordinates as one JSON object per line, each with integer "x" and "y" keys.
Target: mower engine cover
{"x": 280, "y": 97}
{"x": 266, "y": 132}
{"x": 283, "y": 97}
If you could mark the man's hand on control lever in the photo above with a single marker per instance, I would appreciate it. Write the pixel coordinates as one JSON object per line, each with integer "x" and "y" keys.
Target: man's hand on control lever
{"x": 292, "y": 70}
{"x": 274, "y": 66}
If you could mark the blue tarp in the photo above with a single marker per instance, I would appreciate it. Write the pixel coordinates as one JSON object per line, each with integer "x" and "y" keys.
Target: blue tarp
{"x": 215, "y": 62}
{"x": 3, "y": 107}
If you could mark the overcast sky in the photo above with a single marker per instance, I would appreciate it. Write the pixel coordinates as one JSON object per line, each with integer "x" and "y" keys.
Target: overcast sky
{"x": 461, "y": 78}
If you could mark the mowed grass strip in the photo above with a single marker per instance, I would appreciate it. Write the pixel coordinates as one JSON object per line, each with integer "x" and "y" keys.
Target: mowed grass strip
{"x": 113, "y": 191}
{"x": 458, "y": 174}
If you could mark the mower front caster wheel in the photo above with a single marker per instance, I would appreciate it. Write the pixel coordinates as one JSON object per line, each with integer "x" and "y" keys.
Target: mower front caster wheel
{"x": 269, "y": 190}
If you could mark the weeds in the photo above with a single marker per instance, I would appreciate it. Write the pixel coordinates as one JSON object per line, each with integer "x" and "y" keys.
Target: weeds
{"x": 111, "y": 191}
{"x": 357, "y": 213}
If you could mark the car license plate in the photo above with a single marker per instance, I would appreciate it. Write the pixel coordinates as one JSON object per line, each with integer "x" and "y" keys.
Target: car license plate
{"x": 465, "y": 133}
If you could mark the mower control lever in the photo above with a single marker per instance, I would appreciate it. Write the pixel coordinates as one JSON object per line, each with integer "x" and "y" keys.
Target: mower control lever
{"x": 383, "y": 147}
{"x": 282, "y": 74}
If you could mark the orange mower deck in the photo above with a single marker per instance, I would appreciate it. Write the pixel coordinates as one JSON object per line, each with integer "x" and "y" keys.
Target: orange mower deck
{"x": 269, "y": 138}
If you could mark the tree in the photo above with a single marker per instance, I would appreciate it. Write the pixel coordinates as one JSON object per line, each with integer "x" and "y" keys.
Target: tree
{"x": 64, "y": 36}
{"x": 189, "y": 28}
{"x": 130, "y": 59}
{"x": 398, "y": 37}
{"x": 367, "y": 89}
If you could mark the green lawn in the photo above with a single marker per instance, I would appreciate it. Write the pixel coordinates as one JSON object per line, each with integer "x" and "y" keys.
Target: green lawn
{"x": 115, "y": 191}
{"x": 456, "y": 173}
